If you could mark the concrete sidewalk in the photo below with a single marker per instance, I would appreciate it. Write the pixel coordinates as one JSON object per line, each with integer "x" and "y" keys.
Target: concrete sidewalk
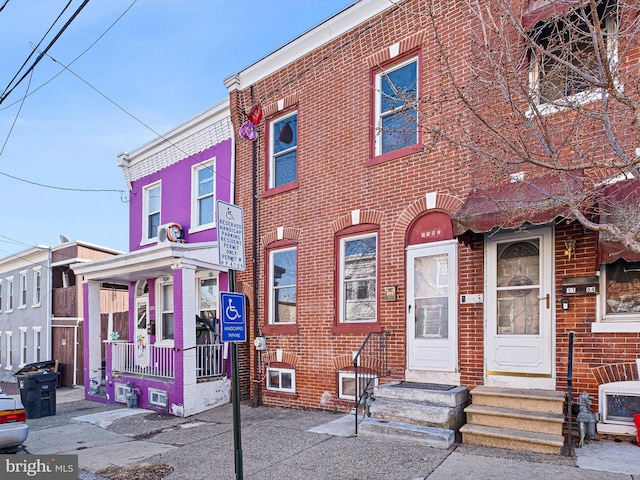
{"x": 292, "y": 444}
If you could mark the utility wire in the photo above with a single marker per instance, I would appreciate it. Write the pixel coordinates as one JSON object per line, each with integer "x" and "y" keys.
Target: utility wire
{"x": 4, "y": 5}
{"x": 17, "y": 115}
{"x": 43, "y": 53}
{"x": 35, "y": 49}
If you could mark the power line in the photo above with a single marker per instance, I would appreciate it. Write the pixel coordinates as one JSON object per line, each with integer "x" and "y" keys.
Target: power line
{"x": 37, "y": 60}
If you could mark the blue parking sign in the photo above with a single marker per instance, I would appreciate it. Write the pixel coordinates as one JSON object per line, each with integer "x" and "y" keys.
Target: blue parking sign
{"x": 233, "y": 317}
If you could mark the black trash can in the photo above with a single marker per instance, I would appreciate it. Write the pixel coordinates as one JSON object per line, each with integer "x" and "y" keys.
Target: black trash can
{"x": 38, "y": 393}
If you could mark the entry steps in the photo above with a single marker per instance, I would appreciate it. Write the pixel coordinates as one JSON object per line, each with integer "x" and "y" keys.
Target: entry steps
{"x": 417, "y": 413}
{"x": 515, "y": 419}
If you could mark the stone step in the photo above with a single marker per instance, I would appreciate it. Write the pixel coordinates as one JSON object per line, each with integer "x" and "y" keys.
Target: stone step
{"x": 512, "y": 439}
{"x": 519, "y": 398}
{"x": 422, "y": 393}
{"x": 406, "y": 433}
{"x": 543, "y": 422}
{"x": 427, "y": 415}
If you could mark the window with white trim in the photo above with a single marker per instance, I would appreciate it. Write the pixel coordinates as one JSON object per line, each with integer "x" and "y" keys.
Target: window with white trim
{"x": 9, "y": 354}
{"x": 281, "y": 379}
{"x": 37, "y": 286}
{"x": 37, "y": 344}
{"x": 1, "y": 295}
{"x": 347, "y": 384}
{"x": 358, "y": 278}
{"x": 9, "y": 294}
{"x": 165, "y": 325}
{"x": 23, "y": 346}
{"x": 567, "y": 57}
{"x": 151, "y": 205}
{"x": 620, "y": 293}
{"x": 282, "y": 285}
{"x": 203, "y": 195}
{"x": 283, "y": 149}
{"x": 396, "y": 106}
{"x": 23, "y": 289}
{"x": 1, "y": 349}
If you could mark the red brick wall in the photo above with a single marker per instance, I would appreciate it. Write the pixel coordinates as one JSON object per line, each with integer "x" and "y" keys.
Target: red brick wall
{"x": 331, "y": 90}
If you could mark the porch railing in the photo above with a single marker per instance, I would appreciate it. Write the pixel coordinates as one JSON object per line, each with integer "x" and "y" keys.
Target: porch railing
{"x": 152, "y": 360}
{"x": 159, "y": 361}
{"x": 209, "y": 361}
{"x": 369, "y": 364}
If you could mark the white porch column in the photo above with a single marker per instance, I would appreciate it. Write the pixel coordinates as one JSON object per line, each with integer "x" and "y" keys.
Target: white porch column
{"x": 92, "y": 340}
{"x": 185, "y": 324}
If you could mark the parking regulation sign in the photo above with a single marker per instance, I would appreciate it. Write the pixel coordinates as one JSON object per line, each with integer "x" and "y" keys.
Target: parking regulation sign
{"x": 230, "y": 236}
{"x": 233, "y": 317}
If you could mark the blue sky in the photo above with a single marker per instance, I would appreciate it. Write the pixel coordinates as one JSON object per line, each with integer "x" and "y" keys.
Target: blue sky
{"x": 162, "y": 62}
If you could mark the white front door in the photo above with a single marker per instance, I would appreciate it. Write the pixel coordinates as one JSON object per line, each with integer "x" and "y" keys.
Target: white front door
{"x": 519, "y": 309}
{"x": 432, "y": 314}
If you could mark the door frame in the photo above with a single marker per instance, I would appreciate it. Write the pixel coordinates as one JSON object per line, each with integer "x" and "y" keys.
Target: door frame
{"x": 546, "y": 381}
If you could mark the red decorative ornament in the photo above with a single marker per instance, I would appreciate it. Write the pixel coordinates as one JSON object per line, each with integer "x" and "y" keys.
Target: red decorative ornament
{"x": 255, "y": 114}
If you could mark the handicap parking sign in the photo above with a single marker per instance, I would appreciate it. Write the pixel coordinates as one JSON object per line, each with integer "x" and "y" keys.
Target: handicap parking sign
{"x": 233, "y": 317}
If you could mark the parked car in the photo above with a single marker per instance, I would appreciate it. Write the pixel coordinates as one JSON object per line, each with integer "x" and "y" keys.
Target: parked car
{"x": 13, "y": 426}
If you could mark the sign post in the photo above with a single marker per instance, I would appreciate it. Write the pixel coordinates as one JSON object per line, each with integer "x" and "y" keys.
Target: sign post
{"x": 232, "y": 306}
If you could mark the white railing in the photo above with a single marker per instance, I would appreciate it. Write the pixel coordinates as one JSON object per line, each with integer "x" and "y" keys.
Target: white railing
{"x": 159, "y": 361}
{"x": 209, "y": 361}
{"x": 152, "y": 360}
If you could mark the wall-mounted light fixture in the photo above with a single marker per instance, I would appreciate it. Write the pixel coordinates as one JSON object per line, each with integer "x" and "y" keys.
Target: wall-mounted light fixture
{"x": 569, "y": 248}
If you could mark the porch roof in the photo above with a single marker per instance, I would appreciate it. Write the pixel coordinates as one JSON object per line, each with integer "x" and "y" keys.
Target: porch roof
{"x": 534, "y": 201}
{"x": 542, "y": 10}
{"x": 150, "y": 262}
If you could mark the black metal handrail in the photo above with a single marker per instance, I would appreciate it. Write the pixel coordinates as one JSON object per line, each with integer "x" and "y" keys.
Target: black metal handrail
{"x": 570, "y": 395}
{"x": 370, "y": 363}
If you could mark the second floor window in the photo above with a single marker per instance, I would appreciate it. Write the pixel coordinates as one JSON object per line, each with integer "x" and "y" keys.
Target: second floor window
{"x": 282, "y": 286}
{"x": 396, "y": 107}
{"x": 283, "y": 150}
{"x": 203, "y": 194}
{"x": 151, "y": 211}
{"x": 9, "y": 294}
{"x": 568, "y": 59}
{"x": 37, "y": 292}
{"x": 23, "y": 289}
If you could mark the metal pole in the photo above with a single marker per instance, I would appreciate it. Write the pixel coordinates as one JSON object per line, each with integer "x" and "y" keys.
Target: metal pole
{"x": 237, "y": 436}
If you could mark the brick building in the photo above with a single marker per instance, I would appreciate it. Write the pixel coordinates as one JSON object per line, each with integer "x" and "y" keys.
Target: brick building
{"x": 359, "y": 222}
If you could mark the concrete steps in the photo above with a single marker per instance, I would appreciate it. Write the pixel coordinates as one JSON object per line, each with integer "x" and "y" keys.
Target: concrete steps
{"x": 516, "y": 419}
{"x": 425, "y": 414}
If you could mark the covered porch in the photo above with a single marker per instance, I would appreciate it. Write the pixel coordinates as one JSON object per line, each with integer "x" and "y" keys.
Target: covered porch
{"x": 170, "y": 358}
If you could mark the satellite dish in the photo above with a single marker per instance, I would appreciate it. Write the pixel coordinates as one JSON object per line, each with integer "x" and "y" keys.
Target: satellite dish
{"x": 63, "y": 239}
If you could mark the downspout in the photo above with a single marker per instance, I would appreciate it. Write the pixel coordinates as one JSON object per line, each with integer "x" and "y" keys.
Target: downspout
{"x": 256, "y": 263}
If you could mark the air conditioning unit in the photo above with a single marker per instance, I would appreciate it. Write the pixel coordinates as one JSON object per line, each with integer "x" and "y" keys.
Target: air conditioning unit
{"x": 170, "y": 232}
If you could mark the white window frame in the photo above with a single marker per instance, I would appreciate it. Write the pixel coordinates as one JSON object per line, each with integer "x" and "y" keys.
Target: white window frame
{"x": 272, "y": 155}
{"x": 37, "y": 344}
{"x": 622, "y": 322}
{"x": 9, "y": 294}
{"x": 342, "y": 306}
{"x": 146, "y": 213}
{"x": 37, "y": 286}
{"x": 1, "y": 348}
{"x": 581, "y": 98}
{"x": 160, "y": 312}
{"x": 23, "y": 290}
{"x": 23, "y": 346}
{"x": 1, "y": 295}
{"x": 379, "y": 131}
{"x": 280, "y": 372}
{"x": 343, "y": 375}
{"x": 9, "y": 354}
{"x": 273, "y": 288}
{"x": 199, "y": 306}
{"x": 196, "y": 198}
